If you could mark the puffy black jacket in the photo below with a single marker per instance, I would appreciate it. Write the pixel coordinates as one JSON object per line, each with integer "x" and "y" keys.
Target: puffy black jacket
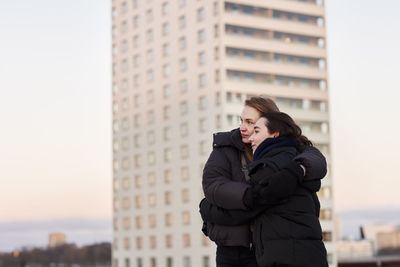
{"x": 286, "y": 232}
{"x": 224, "y": 183}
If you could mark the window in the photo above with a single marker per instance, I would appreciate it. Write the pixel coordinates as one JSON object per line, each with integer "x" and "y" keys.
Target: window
{"x": 150, "y": 138}
{"x": 149, "y": 35}
{"x": 136, "y": 60}
{"x": 215, "y": 13}
{"x": 165, "y": 49}
{"x": 138, "y": 161}
{"x": 182, "y": 22}
{"x": 169, "y": 259}
{"x": 139, "y": 262}
{"x": 150, "y": 55}
{"x": 139, "y": 242}
{"x": 201, "y": 36}
{"x": 124, "y": 45}
{"x": 203, "y": 148}
{"x": 150, "y": 116}
{"x": 125, "y": 183}
{"x": 138, "y": 202}
{"x": 184, "y": 129}
{"x": 185, "y": 173}
{"x": 166, "y": 90}
{"x": 135, "y": 3}
{"x": 137, "y": 80}
{"x": 186, "y": 217}
{"x": 167, "y": 155}
{"x": 202, "y": 80}
{"x": 184, "y": 108}
{"x": 127, "y": 262}
{"x": 167, "y": 198}
{"x": 153, "y": 241}
{"x": 183, "y": 86}
{"x": 168, "y": 219}
{"x": 124, "y": 26}
{"x": 326, "y": 236}
{"x": 149, "y": 15}
{"x": 138, "y": 181}
{"x": 139, "y": 222}
{"x": 186, "y": 261}
{"x": 150, "y": 76}
{"x": 183, "y": 64}
{"x": 206, "y": 261}
{"x": 216, "y": 31}
{"x": 182, "y": 3}
{"x": 217, "y": 76}
{"x": 150, "y": 96}
{"x": 115, "y": 204}
{"x": 200, "y": 14}
{"x": 153, "y": 262}
{"x": 124, "y": 65}
{"x": 125, "y": 143}
{"x": 168, "y": 244}
{"x": 136, "y": 41}
{"x": 167, "y": 176}
{"x": 136, "y": 22}
{"x": 186, "y": 240}
{"x": 167, "y": 112}
{"x": 185, "y": 195}
{"x": 115, "y": 224}
{"x": 127, "y": 244}
{"x": 151, "y": 158}
{"x": 125, "y": 163}
{"x": 166, "y": 70}
{"x": 165, "y": 8}
{"x": 165, "y": 29}
{"x": 124, "y": 8}
{"x": 124, "y": 84}
{"x": 167, "y": 133}
{"x": 202, "y": 102}
{"x": 184, "y": 151}
{"x": 152, "y": 220}
{"x": 126, "y": 223}
{"x": 202, "y": 58}
{"x": 182, "y": 43}
{"x": 151, "y": 178}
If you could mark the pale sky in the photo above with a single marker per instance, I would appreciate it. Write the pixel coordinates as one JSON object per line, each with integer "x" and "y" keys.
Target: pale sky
{"x": 55, "y": 106}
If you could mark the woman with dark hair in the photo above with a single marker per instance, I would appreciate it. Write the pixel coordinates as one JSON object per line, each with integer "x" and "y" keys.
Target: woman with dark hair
{"x": 286, "y": 229}
{"x": 224, "y": 183}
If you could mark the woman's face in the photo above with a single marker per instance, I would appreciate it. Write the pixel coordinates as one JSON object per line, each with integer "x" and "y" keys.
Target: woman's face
{"x": 248, "y": 119}
{"x": 261, "y": 133}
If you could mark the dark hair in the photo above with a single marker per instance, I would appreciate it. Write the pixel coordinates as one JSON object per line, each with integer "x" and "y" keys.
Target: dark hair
{"x": 285, "y": 125}
{"x": 261, "y": 104}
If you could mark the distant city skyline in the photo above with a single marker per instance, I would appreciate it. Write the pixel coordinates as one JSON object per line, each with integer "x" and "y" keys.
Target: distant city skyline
{"x": 55, "y": 102}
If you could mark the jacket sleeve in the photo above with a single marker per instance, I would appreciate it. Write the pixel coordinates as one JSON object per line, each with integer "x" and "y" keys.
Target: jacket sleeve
{"x": 314, "y": 162}
{"x": 270, "y": 187}
{"x": 218, "y": 186}
{"x": 214, "y": 214}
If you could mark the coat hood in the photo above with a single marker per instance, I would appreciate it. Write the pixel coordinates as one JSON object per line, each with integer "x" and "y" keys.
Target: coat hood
{"x": 232, "y": 138}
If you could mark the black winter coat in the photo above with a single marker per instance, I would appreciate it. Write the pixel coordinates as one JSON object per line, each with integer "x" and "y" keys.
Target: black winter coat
{"x": 224, "y": 183}
{"x": 286, "y": 232}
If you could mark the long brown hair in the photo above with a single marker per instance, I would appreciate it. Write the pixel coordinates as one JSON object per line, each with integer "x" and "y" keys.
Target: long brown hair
{"x": 285, "y": 125}
{"x": 262, "y": 104}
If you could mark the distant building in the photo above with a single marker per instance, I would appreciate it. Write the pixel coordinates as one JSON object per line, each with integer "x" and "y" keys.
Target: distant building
{"x": 370, "y": 232}
{"x": 56, "y": 239}
{"x": 348, "y": 249}
{"x": 389, "y": 241}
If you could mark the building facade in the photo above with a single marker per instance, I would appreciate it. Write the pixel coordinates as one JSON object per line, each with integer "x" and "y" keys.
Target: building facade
{"x": 181, "y": 71}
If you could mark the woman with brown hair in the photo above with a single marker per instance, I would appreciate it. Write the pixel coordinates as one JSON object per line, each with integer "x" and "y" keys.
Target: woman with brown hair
{"x": 224, "y": 182}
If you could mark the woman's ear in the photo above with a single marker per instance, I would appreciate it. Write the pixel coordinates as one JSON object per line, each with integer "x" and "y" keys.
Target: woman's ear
{"x": 276, "y": 134}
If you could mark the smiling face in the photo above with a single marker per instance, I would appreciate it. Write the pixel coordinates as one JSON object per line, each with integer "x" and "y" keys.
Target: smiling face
{"x": 248, "y": 119}
{"x": 261, "y": 133}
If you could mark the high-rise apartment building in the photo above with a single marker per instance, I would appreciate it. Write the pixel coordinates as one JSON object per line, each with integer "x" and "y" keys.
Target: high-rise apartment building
{"x": 181, "y": 71}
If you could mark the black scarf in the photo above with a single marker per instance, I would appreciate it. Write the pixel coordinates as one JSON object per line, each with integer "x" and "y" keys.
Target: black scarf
{"x": 271, "y": 143}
